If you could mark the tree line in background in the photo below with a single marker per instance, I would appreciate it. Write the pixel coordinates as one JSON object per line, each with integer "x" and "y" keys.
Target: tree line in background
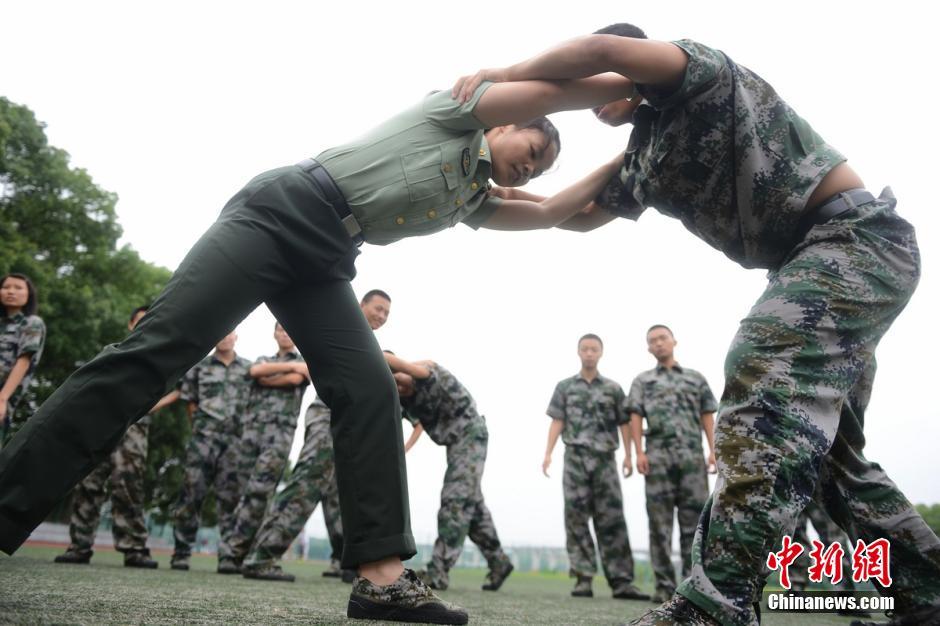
{"x": 59, "y": 228}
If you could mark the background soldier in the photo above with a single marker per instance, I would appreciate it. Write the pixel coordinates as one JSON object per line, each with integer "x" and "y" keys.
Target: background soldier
{"x": 587, "y": 410}
{"x": 218, "y": 386}
{"x": 313, "y": 480}
{"x": 267, "y": 434}
{"x": 433, "y": 400}
{"x": 123, "y": 471}
{"x": 678, "y": 405}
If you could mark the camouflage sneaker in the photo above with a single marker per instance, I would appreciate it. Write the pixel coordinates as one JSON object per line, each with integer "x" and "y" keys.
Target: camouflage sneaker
{"x": 179, "y": 562}
{"x": 628, "y": 591}
{"x": 496, "y": 577}
{"x": 74, "y": 557}
{"x": 348, "y": 576}
{"x": 267, "y": 572}
{"x": 139, "y": 558}
{"x": 228, "y": 566}
{"x": 582, "y": 588}
{"x": 928, "y": 616}
{"x": 405, "y": 600}
{"x": 334, "y": 570}
{"x": 430, "y": 581}
{"x": 679, "y": 611}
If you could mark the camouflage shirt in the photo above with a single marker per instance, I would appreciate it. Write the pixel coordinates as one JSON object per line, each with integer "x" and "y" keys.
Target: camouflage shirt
{"x": 275, "y": 404}
{"x": 321, "y": 414}
{"x": 672, "y": 401}
{"x": 219, "y": 391}
{"x": 682, "y": 160}
{"x": 20, "y": 335}
{"x": 592, "y": 411}
{"x": 444, "y": 407}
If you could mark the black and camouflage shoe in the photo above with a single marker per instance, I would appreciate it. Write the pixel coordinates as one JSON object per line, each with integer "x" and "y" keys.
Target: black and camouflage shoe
{"x": 927, "y": 616}
{"x": 228, "y": 566}
{"x": 333, "y": 571}
{"x": 496, "y": 577}
{"x": 628, "y": 591}
{"x": 267, "y": 572}
{"x": 679, "y": 611}
{"x": 430, "y": 581}
{"x": 179, "y": 562}
{"x": 405, "y": 600}
{"x": 139, "y": 558}
{"x": 582, "y": 588}
{"x": 74, "y": 557}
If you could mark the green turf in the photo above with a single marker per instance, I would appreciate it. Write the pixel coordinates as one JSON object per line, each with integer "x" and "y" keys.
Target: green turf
{"x": 34, "y": 590}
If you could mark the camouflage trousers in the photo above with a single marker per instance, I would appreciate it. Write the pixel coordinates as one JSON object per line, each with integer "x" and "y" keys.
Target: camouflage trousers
{"x": 123, "y": 471}
{"x": 798, "y": 378}
{"x": 829, "y": 532}
{"x": 210, "y": 462}
{"x": 312, "y": 481}
{"x": 463, "y": 513}
{"x": 677, "y": 485}
{"x": 262, "y": 455}
{"x": 592, "y": 490}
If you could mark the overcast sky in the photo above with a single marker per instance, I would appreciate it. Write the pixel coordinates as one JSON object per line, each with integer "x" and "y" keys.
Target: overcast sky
{"x": 175, "y": 105}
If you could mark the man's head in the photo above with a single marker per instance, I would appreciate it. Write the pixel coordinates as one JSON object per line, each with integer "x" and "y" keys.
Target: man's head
{"x": 136, "y": 315}
{"x": 227, "y": 343}
{"x": 590, "y": 350}
{"x": 376, "y": 305}
{"x": 660, "y": 342}
{"x": 284, "y": 342}
{"x": 405, "y": 384}
{"x": 619, "y": 112}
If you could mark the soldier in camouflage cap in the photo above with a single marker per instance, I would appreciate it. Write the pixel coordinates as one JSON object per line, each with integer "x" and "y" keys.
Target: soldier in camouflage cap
{"x": 678, "y": 406}
{"x": 434, "y": 401}
{"x": 123, "y": 475}
{"x": 268, "y": 431}
{"x": 715, "y": 146}
{"x": 587, "y": 410}
{"x": 22, "y": 337}
{"x": 217, "y": 389}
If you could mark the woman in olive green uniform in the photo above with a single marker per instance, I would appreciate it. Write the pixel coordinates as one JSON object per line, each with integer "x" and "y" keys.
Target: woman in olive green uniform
{"x": 289, "y": 239}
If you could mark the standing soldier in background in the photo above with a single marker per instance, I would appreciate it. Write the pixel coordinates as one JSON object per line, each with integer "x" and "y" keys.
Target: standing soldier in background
{"x": 123, "y": 471}
{"x": 22, "y": 337}
{"x": 587, "y": 410}
{"x": 678, "y": 405}
{"x": 313, "y": 480}
{"x": 267, "y": 434}
{"x": 218, "y": 386}
{"x": 433, "y": 400}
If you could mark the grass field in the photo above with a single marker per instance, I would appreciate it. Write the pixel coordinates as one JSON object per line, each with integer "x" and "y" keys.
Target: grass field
{"x": 33, "y": 590}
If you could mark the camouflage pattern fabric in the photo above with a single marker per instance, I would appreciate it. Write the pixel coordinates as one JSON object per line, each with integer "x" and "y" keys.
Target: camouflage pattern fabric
{"x": 672, "y": 400}
{"x": 677, "y": 484}
{"x": 267, "y": 435}
{"x": 444, "y": 407}
{"x": 829, "y": 532}
{"x": 592, "y": 490}
{"x": 592, "y": 412}
{"x": 798, "y": 379}
{"x": 313, "y": 480}
{"x": 220, "y": 391}
{"x": 123, "y": 472}
{"x": 407, "y": 591}
{"x": 19, "y": 335}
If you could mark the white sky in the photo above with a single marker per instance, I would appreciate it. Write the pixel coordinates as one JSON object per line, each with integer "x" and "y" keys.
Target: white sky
{"x": 175, "y": 105}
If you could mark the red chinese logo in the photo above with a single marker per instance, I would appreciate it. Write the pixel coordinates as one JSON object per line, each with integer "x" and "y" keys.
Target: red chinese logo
{"x": 782, "y": 560}
{"x": 872, "y": 562}
{"x": 826, "y": 562}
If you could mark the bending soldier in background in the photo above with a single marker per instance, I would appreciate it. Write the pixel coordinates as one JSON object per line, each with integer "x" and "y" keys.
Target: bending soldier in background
{"x": 678, "y": 406}
{"x": 123, "y": 474}
{"x": 587, "y": 410}
{"x": 267, "y": 433}
{"x": 312, "y": 481}
{"x": 434, "y": 401}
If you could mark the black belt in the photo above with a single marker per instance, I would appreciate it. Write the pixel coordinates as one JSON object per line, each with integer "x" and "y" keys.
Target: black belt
{"x": 833, "y": 207}
{"x": 334, "y": 196}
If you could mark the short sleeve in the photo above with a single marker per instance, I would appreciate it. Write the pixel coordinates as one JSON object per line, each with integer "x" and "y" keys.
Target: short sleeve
{"x": 556, "y": 407}
{"x": 476, "y": 219}
{"x": 707, "y": 402}
{"x": 623, "y": 415}
{"x": 189, "y": 385}
{"x": 616, "y": 199}
{"x": 704, "y": 67}
{"x": 442, "y": 109}
{"x": 32, "y": 337}
{"x": 635, "y": 398}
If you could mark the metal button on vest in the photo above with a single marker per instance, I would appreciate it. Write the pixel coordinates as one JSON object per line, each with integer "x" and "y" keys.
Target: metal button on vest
{"x": 458, "y": 202}
{"x": 474, "y": 185}
{"x": 482, "y": 152}
{"x": 432, "y": 214}
{"x": 399, "y": 220}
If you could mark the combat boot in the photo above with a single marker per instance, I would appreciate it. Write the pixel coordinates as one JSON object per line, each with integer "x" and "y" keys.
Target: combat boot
{"x": 927, "y": 616}
{"x": 628, "y": 591}
{"x": 267, "y": 572}
{"x": 74, "y": 557}
{"x": 679, "y": 611}
{"x": 228, "y": 565}
{"x": 139, "y": 558}
{"x": 407, "y": 599}
{"x": 582, "y": 588}
{"x": 179, "y": 562}
{"x": 430, "y": 580}
{"x": 497, "y": 576}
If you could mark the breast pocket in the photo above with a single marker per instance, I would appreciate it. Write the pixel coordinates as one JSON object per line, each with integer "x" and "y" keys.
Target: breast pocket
{"x": 692, "y": 149}
{"x": 424, "y": 173}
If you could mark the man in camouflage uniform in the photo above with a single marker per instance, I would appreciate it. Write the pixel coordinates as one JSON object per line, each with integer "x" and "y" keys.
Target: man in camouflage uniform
{"x": 715, "y": 146}
{"x": 267, "y": 434}
{"x": 218, "y": 386}
{"x": 312, "y": 480}
{"x": 587, "y": 410}
{"x": 678, "y": 406}
{"x": 123, "y": 472}
{"x": 434, "y": 401}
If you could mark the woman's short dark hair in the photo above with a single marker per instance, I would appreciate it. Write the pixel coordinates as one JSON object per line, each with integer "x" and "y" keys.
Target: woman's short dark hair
{"x": 548, "y": 129}
{"x": 32, "y": 301}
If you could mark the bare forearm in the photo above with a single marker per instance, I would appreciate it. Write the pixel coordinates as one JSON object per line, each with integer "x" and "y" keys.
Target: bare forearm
{"x": 636, "y": 431}
{"x": 166, "y": 400}
{"x": 626, "y": 433}
{"x": 261, "y": 370}
{"x": 708, "y": 425}
{"x": 587, "y": 220}
{"x": 401, "y": 365}
{"x": 292, "y": 379}
{"x": 15, "y": 377}
{"x": 415, "y": 435}
{"x": 554, "y": 431}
